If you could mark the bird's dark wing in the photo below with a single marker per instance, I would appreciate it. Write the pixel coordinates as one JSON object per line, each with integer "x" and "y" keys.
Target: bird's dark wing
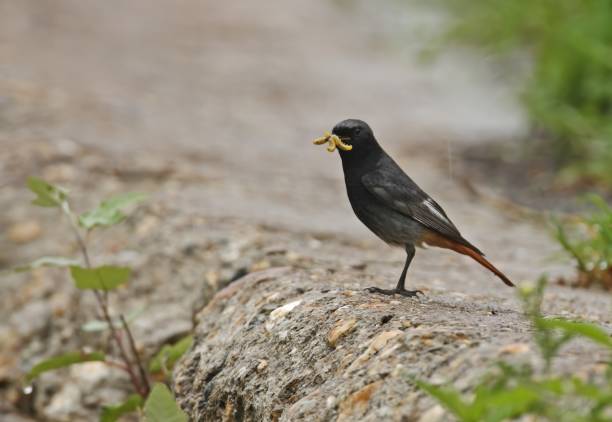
{"x": 391, "y": 186}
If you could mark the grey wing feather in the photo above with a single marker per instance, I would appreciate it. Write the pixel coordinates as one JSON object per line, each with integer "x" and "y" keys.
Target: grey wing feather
{"x": 405, "y": 197}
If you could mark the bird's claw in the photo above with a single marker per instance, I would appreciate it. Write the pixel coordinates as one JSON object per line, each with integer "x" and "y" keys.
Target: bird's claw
{"x": 390, "y": 292}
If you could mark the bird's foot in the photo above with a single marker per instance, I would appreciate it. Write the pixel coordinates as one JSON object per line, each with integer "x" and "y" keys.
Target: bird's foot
{"x": 390, "y": 292}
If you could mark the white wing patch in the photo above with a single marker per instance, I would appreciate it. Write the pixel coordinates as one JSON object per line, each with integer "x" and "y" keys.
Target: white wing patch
{"x": 430, "y": 205}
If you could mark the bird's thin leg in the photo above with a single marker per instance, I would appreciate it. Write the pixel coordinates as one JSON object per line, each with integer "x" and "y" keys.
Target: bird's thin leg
{"x": 400, "y": 289}
{"x": 410, "y": 251}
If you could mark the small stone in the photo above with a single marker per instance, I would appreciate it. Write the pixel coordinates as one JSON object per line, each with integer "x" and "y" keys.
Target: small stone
{"x": 389, "y": 351}
{"x": 212, "y": 278}
{"x": 264, "y": 264}
{"x": 379, "y": 342}
{"x": 284, "y": 310}
{"x": 64, "y": 403}
{"x": 229, "y": 411}
{"x": 90, "y": 374}
{"x": 434, "y": 414}
{"x": 382, "y": 339}
{"x": 514, "y": 349}
{"x": 342, "y": 328}
{"x": 263, "y": 364}
{"x": 24, "y": 231}
{"x": 280, "y": 313}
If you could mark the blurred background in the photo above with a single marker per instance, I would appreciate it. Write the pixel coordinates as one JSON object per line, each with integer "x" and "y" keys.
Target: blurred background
{"x": 244, "y": 84}
{"x": 500, "y": 110}
{"x": 235, "y": 93}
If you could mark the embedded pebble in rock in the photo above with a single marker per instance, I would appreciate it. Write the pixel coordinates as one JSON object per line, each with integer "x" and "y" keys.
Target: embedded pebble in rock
{"x": 376, "y": 345}
{"x": 280, "y": 313}
{"x": 263, "y": 364}
{"x": 341, "y": 329}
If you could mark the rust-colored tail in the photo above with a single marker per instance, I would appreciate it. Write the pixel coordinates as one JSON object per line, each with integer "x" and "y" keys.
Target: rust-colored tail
{"x": 435, "y": 239}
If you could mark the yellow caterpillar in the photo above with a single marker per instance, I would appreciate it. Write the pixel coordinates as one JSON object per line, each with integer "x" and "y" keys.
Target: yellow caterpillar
{"x": 334, "y": 142}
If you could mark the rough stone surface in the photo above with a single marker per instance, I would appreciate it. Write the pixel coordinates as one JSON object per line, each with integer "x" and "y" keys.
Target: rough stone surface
{"x": 342, "y": 353}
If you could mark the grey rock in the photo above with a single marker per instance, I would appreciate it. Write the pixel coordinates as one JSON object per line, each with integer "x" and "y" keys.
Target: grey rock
{"x": 364, "y": 374}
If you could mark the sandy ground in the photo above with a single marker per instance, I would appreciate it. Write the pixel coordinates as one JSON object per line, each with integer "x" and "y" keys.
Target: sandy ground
{"x": 211, "y": 107}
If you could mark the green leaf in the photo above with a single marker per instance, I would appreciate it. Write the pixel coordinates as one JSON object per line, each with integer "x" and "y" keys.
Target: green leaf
{"x": 62, "y": 361}
{"x": 168, "y": 355}
{"x": 449, "y": 398}
{"x": 161, "y": 406}
{"x": 99, "y": 325}
{"x": 109, "y": 212}
{"x": 590, "y": 331}
{"x": 591, "y": 391}
{"x": 113, "y": 413}
{"x": 47, "y": 261}
{"x": 100, "y": 278}
{"x": 47, "y": 195}
{"x": 508, "y": 404}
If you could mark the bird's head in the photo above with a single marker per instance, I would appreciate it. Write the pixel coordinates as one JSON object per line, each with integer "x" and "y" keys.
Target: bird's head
{"x": 352, "y": 138}
{"x": 358, "y": 135}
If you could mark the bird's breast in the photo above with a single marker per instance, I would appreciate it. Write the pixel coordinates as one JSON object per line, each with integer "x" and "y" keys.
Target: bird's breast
{"x": 386, "y": 223}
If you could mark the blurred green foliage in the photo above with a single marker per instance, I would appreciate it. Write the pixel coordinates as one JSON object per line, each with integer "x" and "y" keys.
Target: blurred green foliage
{"x": 588, "y": 240}
{"x": 516, "y": 391}
{"x": 569, "y": 94}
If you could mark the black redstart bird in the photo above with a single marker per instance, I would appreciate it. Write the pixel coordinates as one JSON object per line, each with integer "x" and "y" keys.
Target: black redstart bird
{"x": 390, "y": 204}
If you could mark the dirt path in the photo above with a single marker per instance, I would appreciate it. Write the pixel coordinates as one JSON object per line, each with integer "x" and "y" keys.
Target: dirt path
{"x": 211, "y": 108}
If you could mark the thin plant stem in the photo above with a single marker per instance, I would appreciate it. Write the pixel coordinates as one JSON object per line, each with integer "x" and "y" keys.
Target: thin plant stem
{"x": 117, "y": 337}
{"x": 116, "y": 364}
{"x": 141, "y": 386}
{"x": 132, "y": 343}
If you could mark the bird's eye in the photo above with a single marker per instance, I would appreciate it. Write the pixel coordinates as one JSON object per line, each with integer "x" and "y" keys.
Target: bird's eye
{"x": 357, "y": 131}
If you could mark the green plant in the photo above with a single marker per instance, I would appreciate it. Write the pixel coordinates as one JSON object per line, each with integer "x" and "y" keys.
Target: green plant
{"x": 569, "y": 93}
{"x": 513, "y": 391}
{"x": 157, "y": 402}
{"x": 588, "y": 241}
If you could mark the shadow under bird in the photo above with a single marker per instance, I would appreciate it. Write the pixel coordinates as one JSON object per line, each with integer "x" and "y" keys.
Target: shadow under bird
{"x": 391, "y": 204}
